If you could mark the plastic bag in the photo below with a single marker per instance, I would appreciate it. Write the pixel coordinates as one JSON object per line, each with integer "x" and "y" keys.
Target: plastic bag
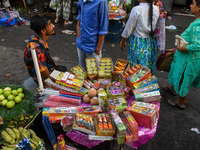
{"x": 53, "y": 4}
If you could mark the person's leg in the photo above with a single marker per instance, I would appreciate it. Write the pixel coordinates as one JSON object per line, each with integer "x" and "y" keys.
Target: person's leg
{"x": 58, "y": 10}
{"x": 81, "y": 58}
{"x": 66, "y": 11}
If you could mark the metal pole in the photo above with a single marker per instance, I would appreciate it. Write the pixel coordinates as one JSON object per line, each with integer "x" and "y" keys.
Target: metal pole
{"x": 37, "y": 70}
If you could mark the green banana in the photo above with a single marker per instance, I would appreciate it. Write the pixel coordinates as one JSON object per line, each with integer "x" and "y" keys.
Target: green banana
{"x": 20, "y": 129}
{"x": 17, "y": 133}
{"x": 23, "y": 135}
{"x": 6, "y": 136}
{"x": 11, "y": 132}
{"x": 32, "y": 140}
{"x": 32, "y": 132}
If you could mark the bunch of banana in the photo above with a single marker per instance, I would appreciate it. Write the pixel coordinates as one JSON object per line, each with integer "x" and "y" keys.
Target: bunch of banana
{"x": 13, "y": 136}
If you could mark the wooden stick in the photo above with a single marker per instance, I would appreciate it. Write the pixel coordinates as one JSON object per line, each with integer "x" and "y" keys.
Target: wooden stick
{"x": 25, "y": 5}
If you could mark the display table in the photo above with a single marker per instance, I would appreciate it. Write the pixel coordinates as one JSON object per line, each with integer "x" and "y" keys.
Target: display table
{"x": 145, "y": 134}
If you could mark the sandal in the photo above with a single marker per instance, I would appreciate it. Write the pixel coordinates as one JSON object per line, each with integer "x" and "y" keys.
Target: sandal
{"x": 168, "y": 89}
{"x": 174, "y": 103}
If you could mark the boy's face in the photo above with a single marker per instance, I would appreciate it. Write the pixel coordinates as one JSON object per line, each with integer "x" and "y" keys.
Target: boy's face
{"x": 50, "y": 28}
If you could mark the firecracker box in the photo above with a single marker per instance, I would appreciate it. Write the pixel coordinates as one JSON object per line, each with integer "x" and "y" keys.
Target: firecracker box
{"x": 148, "y": 96}
{"x": 104, "y": 82}
{"x": 116, "y": 102}
{"x": 104, "y": 125}
{"x": 121, "y": 139}
{"x": 148, "y": 81}
{"x": 146, "y": 105}
{"x": 131, "y": 124}
{"x": 129, "y": 72}
{"x": 91, "y": 67}
{"x": 60, "y": 111}
{"x": 144, "y": 116}
{"x": 104, "y": 138}
{"x": 120, "y": 109}
{"x": 119, "y": 125}
{"x": 105, "y": 68}
{"x": 90, "y": 110}
{"x": 119, "y": 68}
{"x": 79, "y": 71}
{"x": 148, "y": 88}
{"x": 84, "y": 123}
{"x": 114, "y": 91}
{"x": 139, "y": 76}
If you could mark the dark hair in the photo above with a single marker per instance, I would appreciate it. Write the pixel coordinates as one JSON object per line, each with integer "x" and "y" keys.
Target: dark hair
{"x": 38, "y": 23}
{"x": 151, "y": 33}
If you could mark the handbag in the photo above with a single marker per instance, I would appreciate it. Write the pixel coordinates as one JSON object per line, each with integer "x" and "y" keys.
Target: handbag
{"x": 165, "y": 60}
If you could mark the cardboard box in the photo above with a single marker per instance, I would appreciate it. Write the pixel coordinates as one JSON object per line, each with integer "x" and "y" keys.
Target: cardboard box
{"x": 114, "y": 91}
{"x": 119, "y": 125}
{"x": 92, "y": 70}
{"x": 105, "y": 68}
{"x": 60, "y": 111}
{"x": 144, "y": 116}
{"x": 84, "y": 123}
{"x": 146, "y": 105}
{"x": 117, "y": 73}
{"x": 116, "y": 102}
{"x": 104, "y": 125}
{"x": 90, "y": 110}
{"x": 148, "y": 81}
{"x": 79, "y": 71}
{"x": 139, "y": 76}
{"x": 131, "y": 124}
{"x": 148, "y": 96}
{"x": 148, "y": 88}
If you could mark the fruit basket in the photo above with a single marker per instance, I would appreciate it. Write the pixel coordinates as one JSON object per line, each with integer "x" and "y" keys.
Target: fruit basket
{"x": 26, "y": 107}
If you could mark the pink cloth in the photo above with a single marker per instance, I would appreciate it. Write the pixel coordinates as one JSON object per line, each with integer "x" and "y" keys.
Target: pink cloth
{"x": 82, "y": 139}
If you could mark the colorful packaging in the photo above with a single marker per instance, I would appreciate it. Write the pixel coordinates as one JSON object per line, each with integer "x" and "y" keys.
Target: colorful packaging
{"x": 84, "y": 123}
{"x": 146, "y": 105}
{"x": 104, "y": 82}
{"x": 114, "y": 91}
{"x": 105, "y": 67}
{"x": 60, "y": 111}
{"x": 91, "y": 110}
{"x": 102, "y": 98}
{"x": 120, "y": 127}
{"x": 104, "y": 125}
{"x": 149, "y": 88}
{"x": 144, "y": 116}
{"x": 79, "y": 71}
{"x": 116, "y": 102}
{"x": 148, "y": 81}
{"x": 148, "y": 97}
{"x": 132, "y": 125}
{"x": 91, "y": 66}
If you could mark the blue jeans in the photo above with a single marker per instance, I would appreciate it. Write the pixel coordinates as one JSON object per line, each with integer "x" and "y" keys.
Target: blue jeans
{"x": 82, "y": 56}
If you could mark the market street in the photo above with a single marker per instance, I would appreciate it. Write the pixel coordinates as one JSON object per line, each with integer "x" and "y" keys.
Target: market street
{"x": 174, "y": 126}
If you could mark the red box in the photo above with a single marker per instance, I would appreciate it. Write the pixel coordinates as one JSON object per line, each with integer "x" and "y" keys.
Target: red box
{"x": 144, "y": 116}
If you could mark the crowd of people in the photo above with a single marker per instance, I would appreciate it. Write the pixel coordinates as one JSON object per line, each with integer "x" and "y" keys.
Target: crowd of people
{"x": 92, "y": 26}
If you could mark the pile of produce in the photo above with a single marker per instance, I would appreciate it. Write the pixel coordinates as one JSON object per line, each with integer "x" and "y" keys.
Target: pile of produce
{"x": 12, "y": 136}
{"x": 12, "y": 116}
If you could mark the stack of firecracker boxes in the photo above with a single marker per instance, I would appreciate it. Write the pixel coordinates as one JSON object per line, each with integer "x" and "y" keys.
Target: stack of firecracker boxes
{"x": 115, "y": 27}
{"x": 119, "y": 82}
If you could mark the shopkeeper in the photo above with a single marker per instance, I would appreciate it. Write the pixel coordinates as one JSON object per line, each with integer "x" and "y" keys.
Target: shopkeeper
{"x": 43, "y": 28}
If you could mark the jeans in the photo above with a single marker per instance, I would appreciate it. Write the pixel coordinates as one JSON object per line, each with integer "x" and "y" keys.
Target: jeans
{"x": 82, "y": 56}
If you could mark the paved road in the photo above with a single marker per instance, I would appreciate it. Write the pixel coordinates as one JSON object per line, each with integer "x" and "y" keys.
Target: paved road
{"x": 174, "y": 127}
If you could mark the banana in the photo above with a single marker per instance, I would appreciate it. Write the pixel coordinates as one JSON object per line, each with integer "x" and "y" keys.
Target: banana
{"x": 11, "y": 132}
{"x": 6, "y": 136}
{"x": 33, "y": 146}
{"x": 37, "y": 138}
{"x": 27, "y": 133}
{"x": 23, "y": 135}
{"x": 20, "y": 129}
{"x": 32, "y": 132}
{"x": 17, "y": 133}
{"x": 34, "y": 142}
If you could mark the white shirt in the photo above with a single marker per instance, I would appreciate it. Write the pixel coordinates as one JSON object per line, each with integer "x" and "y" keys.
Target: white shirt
{"x": 138, "y": 23}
